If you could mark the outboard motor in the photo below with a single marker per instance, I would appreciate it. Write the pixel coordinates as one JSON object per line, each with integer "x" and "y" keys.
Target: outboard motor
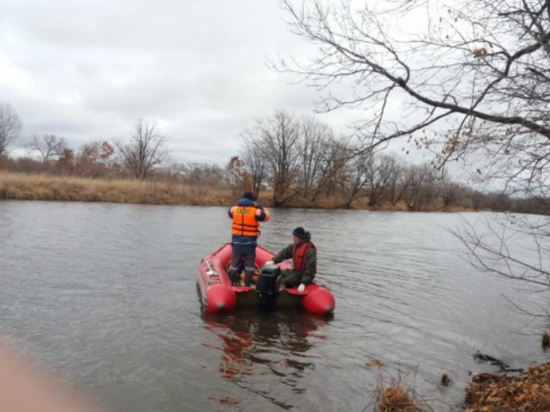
{"x": 267, "y": 285}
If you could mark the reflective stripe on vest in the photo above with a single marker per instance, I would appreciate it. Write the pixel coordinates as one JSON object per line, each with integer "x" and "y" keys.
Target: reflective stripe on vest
{"x": 244, "y": 221}
{"x": 299, "y": 256}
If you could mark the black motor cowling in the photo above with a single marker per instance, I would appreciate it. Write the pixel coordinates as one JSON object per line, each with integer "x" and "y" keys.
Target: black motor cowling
{"x": 267, "y": 285}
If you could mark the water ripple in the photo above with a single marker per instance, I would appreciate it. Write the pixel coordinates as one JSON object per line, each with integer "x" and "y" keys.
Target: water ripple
{"x": 105, "y": 296}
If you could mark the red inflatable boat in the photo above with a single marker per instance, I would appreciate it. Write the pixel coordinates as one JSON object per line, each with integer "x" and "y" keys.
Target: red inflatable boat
{"x": 218, "y": 295}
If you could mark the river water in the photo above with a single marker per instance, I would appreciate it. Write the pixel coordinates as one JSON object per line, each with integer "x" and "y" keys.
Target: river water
{"x": 104, "y": 297}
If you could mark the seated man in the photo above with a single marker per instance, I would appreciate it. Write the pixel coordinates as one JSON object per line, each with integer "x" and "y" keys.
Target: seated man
{"x": 304, "y": 259}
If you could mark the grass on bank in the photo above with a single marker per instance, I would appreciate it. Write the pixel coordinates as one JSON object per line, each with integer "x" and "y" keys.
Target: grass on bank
{"x": 17, "y": 186}
{"x": 398, "y": 396}
{"x": 487, "y": 392}
{"x": 22, "y": 186}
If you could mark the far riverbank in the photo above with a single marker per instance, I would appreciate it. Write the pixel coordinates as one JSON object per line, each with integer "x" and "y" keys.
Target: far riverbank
{"x": 21, "y": 186}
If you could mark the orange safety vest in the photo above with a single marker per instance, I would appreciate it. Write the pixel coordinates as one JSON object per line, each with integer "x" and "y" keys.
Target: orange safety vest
{"x": 244, "y": 221}
{"x": 299, "y": 256}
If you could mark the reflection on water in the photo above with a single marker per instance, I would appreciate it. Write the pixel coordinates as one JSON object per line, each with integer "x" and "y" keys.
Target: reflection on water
{"x": 255, "y": 343}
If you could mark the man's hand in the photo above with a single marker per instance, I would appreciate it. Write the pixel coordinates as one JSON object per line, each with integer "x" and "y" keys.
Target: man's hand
{"x": 301, "y": 288}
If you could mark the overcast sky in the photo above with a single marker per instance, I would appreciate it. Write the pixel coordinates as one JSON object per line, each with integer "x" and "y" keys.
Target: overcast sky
{"x": 88, "y": 69}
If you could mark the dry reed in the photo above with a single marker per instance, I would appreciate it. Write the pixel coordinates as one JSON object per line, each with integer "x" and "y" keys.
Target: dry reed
{"x": 22, "y": 186}
{"x": 398, "y": 396}
{"x": 18, "y": 186}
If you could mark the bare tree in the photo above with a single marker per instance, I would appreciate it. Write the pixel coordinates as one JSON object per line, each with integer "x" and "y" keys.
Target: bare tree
{"x": 277, "y": 138}
{"x": 146, "y": 150}
{"x": 510, "y": 239}
{"x": 10, "y": 126}
{"x": 256, "y": 165}
{"x": 313, "y": 143}
{"x": 298, "y": 156}
{"x": 202, "y": 178}
{"x": 360, "y": 170}
{"x": 237, "y": 176}
{"x": 383, "y": 177}
{"x": 48, "y": 146}
{"x": 393, "y": 177}
{"x": 421, "y": 188}
{"x": 474, "y": 64}
{"x": 372, "y": 174}
{"x": 473, "y": 79}
{"x": 334, "y": 168}
{"x": 449, "y": 191}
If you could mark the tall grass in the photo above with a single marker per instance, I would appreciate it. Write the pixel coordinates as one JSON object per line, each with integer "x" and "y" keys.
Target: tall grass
{"x": 398, "y": 396}
{"x": 22, "y": 186}
{"x": 19, "y": 186}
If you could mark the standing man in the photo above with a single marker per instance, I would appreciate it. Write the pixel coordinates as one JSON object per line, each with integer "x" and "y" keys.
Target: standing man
{"x": 246, "y": 215}
{"x": 304, "y": 260}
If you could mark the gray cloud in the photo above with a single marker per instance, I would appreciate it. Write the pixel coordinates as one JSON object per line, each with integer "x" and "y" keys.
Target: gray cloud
{"x": 88, "y": 69}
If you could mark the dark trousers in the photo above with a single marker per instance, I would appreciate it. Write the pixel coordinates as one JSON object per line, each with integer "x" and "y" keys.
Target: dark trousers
{"x": 240, "y": 261}
{"x": 291, "y": 278}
